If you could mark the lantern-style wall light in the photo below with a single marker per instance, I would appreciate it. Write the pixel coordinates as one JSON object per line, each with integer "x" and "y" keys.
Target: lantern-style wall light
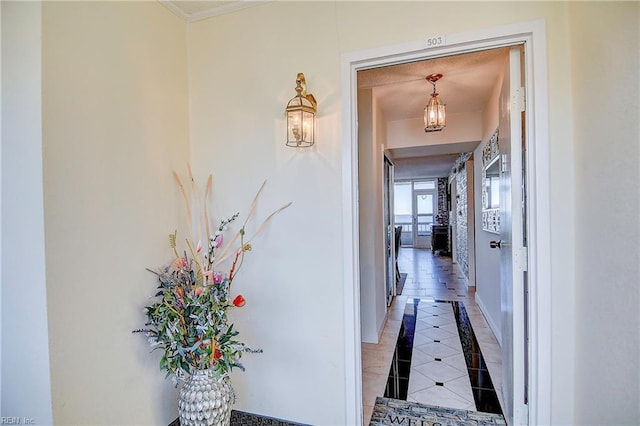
{"x": 434, "y": 112}
{"x": 301, "y": 116}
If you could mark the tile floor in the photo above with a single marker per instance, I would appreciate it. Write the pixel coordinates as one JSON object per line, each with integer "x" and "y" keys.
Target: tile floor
{"x": 431, "y": 277}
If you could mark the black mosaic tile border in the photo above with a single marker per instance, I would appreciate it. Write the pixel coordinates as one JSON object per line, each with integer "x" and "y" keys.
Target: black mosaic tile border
{"x": 240, "y": 418}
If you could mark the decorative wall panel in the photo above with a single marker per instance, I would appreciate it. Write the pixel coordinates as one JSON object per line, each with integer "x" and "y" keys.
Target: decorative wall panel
{"x": 490, "y": 216}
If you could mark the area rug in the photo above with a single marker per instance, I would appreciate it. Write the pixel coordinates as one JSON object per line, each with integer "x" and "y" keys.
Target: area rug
{"x": 400, "y": 284}
{"x": 388, "y": 411}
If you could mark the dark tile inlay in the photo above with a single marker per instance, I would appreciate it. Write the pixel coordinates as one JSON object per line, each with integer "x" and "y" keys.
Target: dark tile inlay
{"x": 484, "y": 393}
{"x": 398, "y": 381}
{"x": 439, "y": 384}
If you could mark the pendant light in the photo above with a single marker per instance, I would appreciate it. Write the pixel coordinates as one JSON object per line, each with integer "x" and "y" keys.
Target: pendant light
{"x": 434, "y": 112}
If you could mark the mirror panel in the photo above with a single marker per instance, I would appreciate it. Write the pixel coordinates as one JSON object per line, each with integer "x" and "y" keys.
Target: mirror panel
{"x": 491, "y": 186}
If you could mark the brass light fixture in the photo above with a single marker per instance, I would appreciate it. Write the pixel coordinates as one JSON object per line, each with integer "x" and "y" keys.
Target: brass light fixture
{"x": 301, "y": 116}
{"x": 434, "y": 112}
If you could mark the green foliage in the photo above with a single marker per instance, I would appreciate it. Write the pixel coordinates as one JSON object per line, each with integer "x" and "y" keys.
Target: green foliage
{"x": 189, "y": 318}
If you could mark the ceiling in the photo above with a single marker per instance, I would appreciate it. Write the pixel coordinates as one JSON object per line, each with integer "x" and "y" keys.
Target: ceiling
{"x": 466, "y": 83}
{"x": 402, "y": 91}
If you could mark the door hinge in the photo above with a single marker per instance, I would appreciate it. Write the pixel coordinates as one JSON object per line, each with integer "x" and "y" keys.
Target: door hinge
{"x": 521, "y": 256}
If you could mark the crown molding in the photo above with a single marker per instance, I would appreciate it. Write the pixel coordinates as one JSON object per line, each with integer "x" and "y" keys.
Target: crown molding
{"x": 214, "y": 10}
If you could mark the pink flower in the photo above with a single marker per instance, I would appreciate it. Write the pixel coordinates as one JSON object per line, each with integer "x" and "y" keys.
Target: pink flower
{"x": 199, "y": 247}
{"x": 218, "y": 241}
{"x": 198, "y": 291}
{"x": 239, "y": 301}
{"x": 217, "y": 277}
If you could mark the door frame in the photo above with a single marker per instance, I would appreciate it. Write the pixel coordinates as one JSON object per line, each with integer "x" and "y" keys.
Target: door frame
{"x": 390, "y": 247}
{"x": 533, "y": 35}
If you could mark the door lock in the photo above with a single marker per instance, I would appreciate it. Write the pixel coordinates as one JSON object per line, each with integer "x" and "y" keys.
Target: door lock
{"x": 495, "y": 244}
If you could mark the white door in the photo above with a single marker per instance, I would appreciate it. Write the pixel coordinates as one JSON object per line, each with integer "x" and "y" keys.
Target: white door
{"x": 391, "y": 248}
{"x": 512, "y": 238}
{"x": 424, "y": 206}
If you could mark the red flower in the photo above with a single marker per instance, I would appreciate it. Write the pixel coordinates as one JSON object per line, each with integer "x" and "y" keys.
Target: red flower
{"x": 217, "y": 354}
{"x": 239, "y": 301}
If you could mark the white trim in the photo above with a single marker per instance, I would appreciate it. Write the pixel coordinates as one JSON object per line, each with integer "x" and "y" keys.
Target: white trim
{"x": 214, "y": 10}
{"x": 351, "y": 266}
{"x": 539, "y": 224}
{"x": 533, "y": 34}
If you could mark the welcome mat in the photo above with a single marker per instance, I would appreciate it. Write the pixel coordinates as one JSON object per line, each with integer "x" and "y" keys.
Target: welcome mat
{"x": 388, "y": 411}
{"x": 400, "y": 284}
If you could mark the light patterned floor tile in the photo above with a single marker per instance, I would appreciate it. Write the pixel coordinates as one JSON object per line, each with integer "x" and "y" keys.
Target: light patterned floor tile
{"x": 440, "y": 396}
{"x": 418, "y": 382}
{"x": 436, "y": 349}
{"x": 439, "y": 371}
{"x": 462, "y": 387}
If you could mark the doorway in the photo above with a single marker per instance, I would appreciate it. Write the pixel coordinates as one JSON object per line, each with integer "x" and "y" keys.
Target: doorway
{"x": 533, "y": 36}
{"x": 415, "y": 211}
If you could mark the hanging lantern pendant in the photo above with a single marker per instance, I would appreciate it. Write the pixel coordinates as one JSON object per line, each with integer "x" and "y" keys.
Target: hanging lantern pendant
{"x": 434, "y": 112}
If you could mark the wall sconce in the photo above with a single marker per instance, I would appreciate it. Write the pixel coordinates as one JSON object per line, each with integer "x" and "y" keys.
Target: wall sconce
{"x": 434, "y": 113}
{"x": 301, "y": 116}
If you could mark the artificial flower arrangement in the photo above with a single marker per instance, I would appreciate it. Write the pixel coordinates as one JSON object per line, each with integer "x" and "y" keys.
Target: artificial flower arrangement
{"x": 188, "y": 320}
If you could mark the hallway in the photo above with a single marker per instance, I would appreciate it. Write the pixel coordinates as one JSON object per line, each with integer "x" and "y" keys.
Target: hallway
{"x": 432, "y": 365}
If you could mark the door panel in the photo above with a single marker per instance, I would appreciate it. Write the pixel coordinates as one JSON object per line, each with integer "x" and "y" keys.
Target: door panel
{"x": 512, "y": 243}
{"x": 390, "y": 269}
{"x": 423, "y": 215}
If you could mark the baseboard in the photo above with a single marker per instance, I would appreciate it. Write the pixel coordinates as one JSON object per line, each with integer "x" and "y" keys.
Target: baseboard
{"x": 384, "y": 323}
{"x": 492, "y": 325}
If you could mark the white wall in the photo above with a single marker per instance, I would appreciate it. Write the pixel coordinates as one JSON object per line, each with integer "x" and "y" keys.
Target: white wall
{"x": 372, "y": 284}
{"x": 242, "y": 68}
{"x": 607, "y": 180}
{"x": 255, "y": 79}
{"x": 26, "y": 387}
{"x": 487, "y": 295}
{"x": 461, "y": 127}
{"x": 115, "y": 123}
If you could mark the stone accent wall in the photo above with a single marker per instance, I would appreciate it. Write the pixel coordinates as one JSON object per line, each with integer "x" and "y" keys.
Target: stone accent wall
{"x": 462, "y": 246}
{"x": 442, "y": 215}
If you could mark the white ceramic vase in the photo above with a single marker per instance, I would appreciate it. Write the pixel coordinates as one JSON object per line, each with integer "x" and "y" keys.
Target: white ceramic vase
{"x": 205, "y": 399}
